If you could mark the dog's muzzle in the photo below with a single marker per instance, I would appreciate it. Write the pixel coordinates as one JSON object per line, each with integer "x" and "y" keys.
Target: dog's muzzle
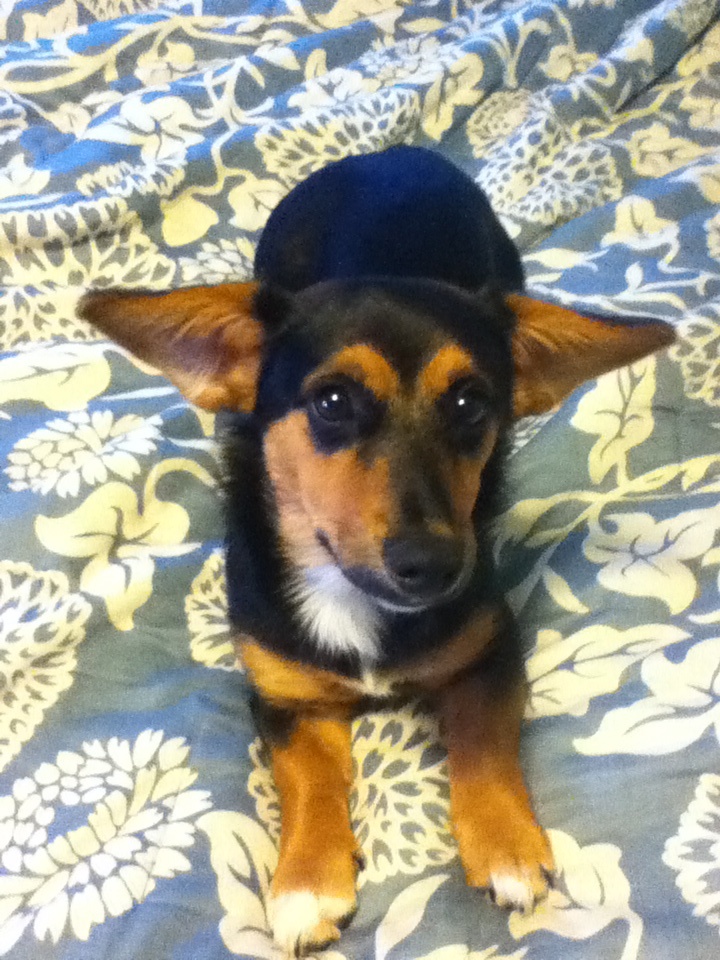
{"x": 424, "y": 567}
{"x": 420, "y": 570}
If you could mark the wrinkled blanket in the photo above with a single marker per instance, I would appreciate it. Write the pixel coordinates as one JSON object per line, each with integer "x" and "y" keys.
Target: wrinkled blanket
{"x": 143, "y": 144}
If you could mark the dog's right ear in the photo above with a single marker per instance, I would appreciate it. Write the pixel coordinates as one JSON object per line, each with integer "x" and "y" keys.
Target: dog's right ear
{"x": 207, "y": 340}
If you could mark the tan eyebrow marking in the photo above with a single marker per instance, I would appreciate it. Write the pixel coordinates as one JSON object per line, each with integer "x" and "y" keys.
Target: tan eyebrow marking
{"x": 365, "y": 365}
{"x": 449, "y": 363}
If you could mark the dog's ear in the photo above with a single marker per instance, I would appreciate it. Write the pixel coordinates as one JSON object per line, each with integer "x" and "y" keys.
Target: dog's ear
{"x": 207, "y": 340}
{"x": 556, "y": 349}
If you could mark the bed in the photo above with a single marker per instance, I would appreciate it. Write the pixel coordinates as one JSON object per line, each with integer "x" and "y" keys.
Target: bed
{"x": 143, "y": 143}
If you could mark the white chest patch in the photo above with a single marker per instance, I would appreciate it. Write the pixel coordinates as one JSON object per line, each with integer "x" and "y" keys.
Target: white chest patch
{"x": 339, "y": 617}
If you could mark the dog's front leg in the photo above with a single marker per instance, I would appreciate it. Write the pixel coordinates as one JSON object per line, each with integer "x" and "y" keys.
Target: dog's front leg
{"x": 502, "y": 848}
{"x": 313, "y": 890}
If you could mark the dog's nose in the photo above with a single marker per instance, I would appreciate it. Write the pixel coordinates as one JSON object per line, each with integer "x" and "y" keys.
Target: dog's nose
{"x": 423, "y": 564}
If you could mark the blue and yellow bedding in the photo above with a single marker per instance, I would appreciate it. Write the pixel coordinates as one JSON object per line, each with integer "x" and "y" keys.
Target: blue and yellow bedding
{"x": 143, "y": 144}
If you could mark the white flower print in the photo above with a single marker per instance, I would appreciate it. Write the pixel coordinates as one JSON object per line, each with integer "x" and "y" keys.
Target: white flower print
{"x": 534, "y": 170}
{"x": 120, "y": 531}
{"x": 695, "y": 851}
{"x": 564, "y": 60}
{"x": 41, "y": 625}
{"x": 221, "y": 262}
{"x": 155, "y": 68}
{"x": 591, "y": 893}
{"x": 566, "y": 673}
{"x": 691, "y": 16}
{"x": 13, "y": 119}
{"x": 293, "y": 149}
{"x": 111, "y": 9}
{"x": 592, "y": 3}
{"x": 336, "y": 86}
{"x": 405, "y": 914}
{"x": 142, "y": 817}
{"x": 124, "y": 179}
{"x": 683, "y": 703}
{"x": 84, "y": 448}
{"x": 655, "y": 151}
{"x": 713, "y": 236}
{"x": 19, "y": 179}
{"x": 253, "y": 200}
{"x": 496, "y": 118}
{"x": 700, "y": 59}
{"x": 164, "y": 128}
{"x": 644, "y": 557}
{"x": 698, "y": 353}
{"x": 618, "y": 411}
{"x": 244, "y": 857}
{"x": 704, "y": 111}
{"x": 638, "y": 226}
{"x": 60, "y": 377}
{"x": 207, "y": 619}
{"x": 42, "y": 280}
{"x": 399, "y": 805}
{"x": 414, "y": 60}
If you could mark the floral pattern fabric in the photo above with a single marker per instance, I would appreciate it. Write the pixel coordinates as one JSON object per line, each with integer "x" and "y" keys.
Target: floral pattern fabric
{"x": 143, "y": 143}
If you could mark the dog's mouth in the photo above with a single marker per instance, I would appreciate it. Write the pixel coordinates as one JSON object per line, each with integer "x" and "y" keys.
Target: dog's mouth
{"x": 387, "y": 595}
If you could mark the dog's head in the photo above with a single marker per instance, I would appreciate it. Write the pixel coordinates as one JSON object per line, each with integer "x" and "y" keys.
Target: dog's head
{"x": 381, "y": 405}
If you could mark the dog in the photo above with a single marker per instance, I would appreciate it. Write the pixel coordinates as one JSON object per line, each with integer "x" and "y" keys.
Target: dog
{"x": 372, "y": 372}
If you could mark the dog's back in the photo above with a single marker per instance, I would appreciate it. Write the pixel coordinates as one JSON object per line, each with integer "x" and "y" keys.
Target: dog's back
{"x": 406, "y": 212}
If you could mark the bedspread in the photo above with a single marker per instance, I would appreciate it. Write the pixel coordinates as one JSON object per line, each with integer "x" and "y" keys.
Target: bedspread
{"x": 143, "y": 144}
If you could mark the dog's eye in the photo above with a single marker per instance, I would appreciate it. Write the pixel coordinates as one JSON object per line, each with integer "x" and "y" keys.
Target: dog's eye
{"x": 340, "y": 413}
{"x": 333, "y": 404}
{"x": 467, "y": 405}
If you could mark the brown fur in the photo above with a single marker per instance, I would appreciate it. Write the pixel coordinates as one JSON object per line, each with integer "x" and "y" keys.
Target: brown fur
{"x": 493, "y": 821}
{"x": 492, "y": 816}
{"x": 205, "y": 339}
{"x": 290, "y": 684}
{"x": 338, "y": 494}
{"x": 436, "y": 669}
{"x": 556, "y": 349}
{"x": 465, "y": 478}
{"x": 318, "y": 850}
{"x": 365, "y": 365}
{"x": 311, "y": 488}
{"x": 286, "y": 683}
{"x": 449, "y": 364}
{"x": 210, "y": 344}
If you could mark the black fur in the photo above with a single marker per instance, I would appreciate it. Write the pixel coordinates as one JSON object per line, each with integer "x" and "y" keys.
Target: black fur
{"x": 363, "y": 246}
{"x": 405, "y": 212}
{"x": 274, "y": 724}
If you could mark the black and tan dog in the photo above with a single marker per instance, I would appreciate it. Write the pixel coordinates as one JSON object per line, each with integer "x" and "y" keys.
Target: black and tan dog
{"x": 374, "y": 370}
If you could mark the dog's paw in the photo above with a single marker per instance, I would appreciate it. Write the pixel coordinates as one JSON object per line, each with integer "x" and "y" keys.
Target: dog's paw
{"x": 514, "y": 867}
{"x": 519, "y": 887}
{"x": 302, "y": 920}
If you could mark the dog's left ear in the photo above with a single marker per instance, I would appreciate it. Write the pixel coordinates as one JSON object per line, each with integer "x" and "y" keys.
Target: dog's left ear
{"x": 207, "y": 340}
{"x": 556, "y": 349}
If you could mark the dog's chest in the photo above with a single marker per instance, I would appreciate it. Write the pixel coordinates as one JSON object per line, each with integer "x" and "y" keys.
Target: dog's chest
{"x": 338, "y": 618}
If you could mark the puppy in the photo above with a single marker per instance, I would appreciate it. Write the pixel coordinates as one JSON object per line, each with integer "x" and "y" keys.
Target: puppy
{"x": 372, "y": 373}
